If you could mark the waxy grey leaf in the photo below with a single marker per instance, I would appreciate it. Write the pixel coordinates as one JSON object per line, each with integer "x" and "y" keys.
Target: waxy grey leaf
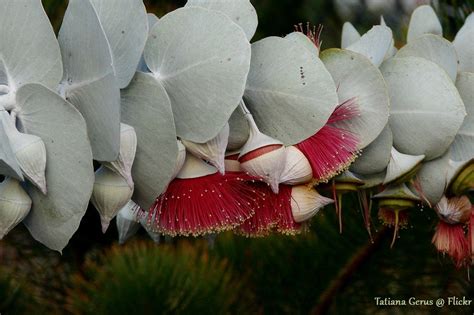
{"x": 28, "y": 46}
{"x": 8, "y": 163}
{"x": 426, "y": 109}
{"x": 433, "y": 48}
{"x": 239, "y": 130}
{"x": 463, "y": 42}
{"x": 55, "y": 217}
{"x": 376, "y": 156}
{"x": 125, "y": 24}
{"x": 462, "y": 148}
{"x": 423, "y": 21}
{"x": 241, "y": 12}
{"x": 356, "y": 77}
{"x": 147, "y": 108}
{"x": 374, "y": 44}
{"x": 289, "y": 91}
{"x": 89, "y": 82}
{"x": 349, "y": 35}
{"x": 202, "y": 59}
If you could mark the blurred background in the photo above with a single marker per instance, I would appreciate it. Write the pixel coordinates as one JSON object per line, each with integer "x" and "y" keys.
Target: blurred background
{"x": 318, "y": 272}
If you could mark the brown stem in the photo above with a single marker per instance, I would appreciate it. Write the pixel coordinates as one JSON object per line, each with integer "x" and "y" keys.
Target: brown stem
{"x": 342, "y": 279}
{"x": 395, "y": 229}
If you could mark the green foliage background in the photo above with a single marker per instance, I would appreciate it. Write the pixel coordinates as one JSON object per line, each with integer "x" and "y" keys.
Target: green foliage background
{"x": 318, "y": 272}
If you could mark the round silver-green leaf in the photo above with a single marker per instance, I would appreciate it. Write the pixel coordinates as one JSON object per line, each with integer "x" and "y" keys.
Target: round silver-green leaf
{"x": 202, "y": 59}
{"x": 289, "y": 91}
{"x": 356, "y": 77}
{"x": 426, "y": 109}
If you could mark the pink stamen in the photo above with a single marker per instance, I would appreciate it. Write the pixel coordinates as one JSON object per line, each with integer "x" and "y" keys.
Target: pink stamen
{"x": 313, "y": 33}
{"x": 203, "y": 205}
{"x": 331, "y": 150}
{"x": 273, "y": 212}
{"x": 450, "y": 239}
{"x": 470, "y": 236}
{"x": 282, "y": 203}
{"x": 419, "y": 190}
{"x": 264, "y": 219}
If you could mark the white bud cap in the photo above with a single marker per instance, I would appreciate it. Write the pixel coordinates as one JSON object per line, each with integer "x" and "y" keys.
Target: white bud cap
{"x": 306, "y": 202}
{"x": 213, "y": 150}
{"x": 15, "y": 204}
{"x": 111, "y": 193}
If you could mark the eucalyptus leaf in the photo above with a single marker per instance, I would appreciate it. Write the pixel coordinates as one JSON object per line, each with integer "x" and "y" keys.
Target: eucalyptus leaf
{"x": 356, "y": 77}
{"x": 239, "y": 130}
{"x": 463, "y": 42}
{"x": 89, "y": 82}
{"x": 376, "y": 156}
{"x": 152, "y": 20}
{"x": 374, "y": 44}
{"x": 125, "y": 25}
{"x": 69, "y": 171}
{"x": 432, "y": 179}
{"x": 202, "y": 59}
{"x": 301, "y": 39}
{"x": 372, "y": 180}
{"x": 289, "y": 91}
{"x": 426, "y": 109}
{"x": 146, "y": 107}
{"x": 349, "y": 35}
{"x": 8, "y": 162}
{"x": 423, "y": 21}
{"x": 462, "y": 148}
{"x": 433, "y": 48}
{"x": 28, "y": 47}
{"x": 241, "y": 12}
